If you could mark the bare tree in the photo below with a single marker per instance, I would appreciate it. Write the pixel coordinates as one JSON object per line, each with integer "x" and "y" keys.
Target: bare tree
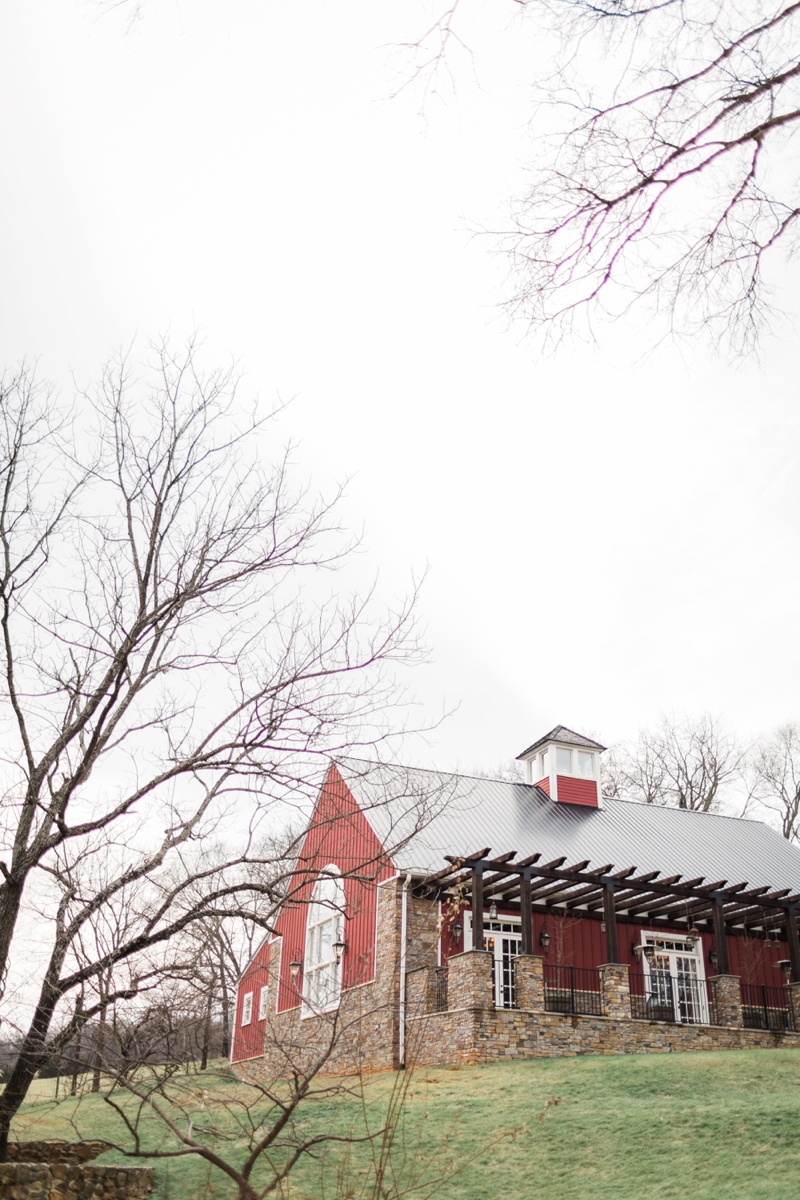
{"x": 674, "y": 174}
{"x": 690, "y": 763}
{"x": 171, "y": 673}
{"x": 776, "y": 771}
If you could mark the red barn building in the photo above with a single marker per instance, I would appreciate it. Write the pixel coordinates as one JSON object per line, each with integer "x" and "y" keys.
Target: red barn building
{"x": 464, "y": 919}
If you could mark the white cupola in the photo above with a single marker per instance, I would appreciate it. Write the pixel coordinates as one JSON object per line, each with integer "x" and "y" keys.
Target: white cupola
{"x": 566, "y": 766}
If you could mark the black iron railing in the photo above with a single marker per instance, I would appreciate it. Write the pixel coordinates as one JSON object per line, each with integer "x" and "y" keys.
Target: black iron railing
{"x": 572, "y": 990}
{"x": 764, "y": 1007}
{"x": 438, "y": 992}
{"x": 661, "y": 996}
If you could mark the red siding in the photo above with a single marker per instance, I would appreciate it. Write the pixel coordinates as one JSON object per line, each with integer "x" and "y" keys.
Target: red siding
{"x": 544, "y": 784}
{"x": 248, "y": 1040}
{"x": 339, "y": 834}
{"x": 576, "y": 791}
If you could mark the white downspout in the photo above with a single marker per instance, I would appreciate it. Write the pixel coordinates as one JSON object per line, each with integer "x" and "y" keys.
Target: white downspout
{"x": 403, "y": 939}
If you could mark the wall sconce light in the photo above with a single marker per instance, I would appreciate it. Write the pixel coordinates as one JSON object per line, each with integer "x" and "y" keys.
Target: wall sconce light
{"x": 712, "y": 957}
{"x": 767, "y": 940}
{"x": 458, "y": 929}
{"x": 493, "y": 911}
{"x": 295, "y": 965}
{"x": 602, "y": 926}
{"x": 544, "y": 940}
{"x": 339, "y": 947}
{"x": 785, "y": 965}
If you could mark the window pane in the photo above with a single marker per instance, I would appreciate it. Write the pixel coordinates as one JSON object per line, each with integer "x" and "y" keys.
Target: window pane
{"x": 564, "y": 761}
{"x": 545, "y": 769}
{"x": 585, "y": 765}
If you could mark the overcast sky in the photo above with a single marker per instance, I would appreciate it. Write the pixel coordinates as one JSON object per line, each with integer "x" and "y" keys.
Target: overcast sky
{"x": 608, "y": 537}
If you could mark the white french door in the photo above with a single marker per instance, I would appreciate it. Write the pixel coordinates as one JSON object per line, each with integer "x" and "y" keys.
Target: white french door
{"x": 676, "y": 979}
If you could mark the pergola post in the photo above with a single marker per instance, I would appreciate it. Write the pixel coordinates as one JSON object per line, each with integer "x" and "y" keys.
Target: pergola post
{"x": 720, "y": 937}
{"x": 525, "y": 899}
{"x": 610, "y": 918}
{"x": 477, "y": 906}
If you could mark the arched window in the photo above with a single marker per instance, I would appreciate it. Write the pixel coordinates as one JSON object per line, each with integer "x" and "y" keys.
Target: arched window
{"x": 322, "y": 977}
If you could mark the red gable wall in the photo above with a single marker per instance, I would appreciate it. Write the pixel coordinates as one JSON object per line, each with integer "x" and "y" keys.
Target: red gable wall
{"x": 338, "y": 834}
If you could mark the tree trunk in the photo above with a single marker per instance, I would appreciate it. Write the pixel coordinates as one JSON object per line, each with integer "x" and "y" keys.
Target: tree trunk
{"x": 77, "y": 1065}
{"x": 226, "y": 1032}
{"x": 207, "y": 1024}
{"x": 101, "y": 1045}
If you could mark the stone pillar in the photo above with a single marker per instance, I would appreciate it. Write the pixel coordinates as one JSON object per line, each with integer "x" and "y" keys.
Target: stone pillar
{"x": 793, "y": 997}
{"x": 469, "y": 983}
{"x": 727, "y": 1000}
{"x": 529, "y": 981}
{"x": 615, "y": 990}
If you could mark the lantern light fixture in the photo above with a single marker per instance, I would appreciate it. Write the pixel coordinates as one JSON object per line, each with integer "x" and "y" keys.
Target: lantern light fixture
{"x": 295, "y": 965}
{"x": 785, "y": 965}
{"x": 458, "y": 929}
{"x": 544, "y": 940}
{"x": 493, "y": 911}
{"x": 649, "y": 952}
{"x": 339, "y": 947}
{"x": 712, "y": 957}
{"x": 636, "y": 951}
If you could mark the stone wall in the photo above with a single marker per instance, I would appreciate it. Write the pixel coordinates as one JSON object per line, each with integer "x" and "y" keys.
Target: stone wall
{"x": 70, "y": 1181}
{"x": 475, "y": 1035}
{"x": 55, "y": 1151}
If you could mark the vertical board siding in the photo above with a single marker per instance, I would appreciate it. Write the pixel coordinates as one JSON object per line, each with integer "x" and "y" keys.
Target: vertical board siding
{"x": 339, "y": 834}
{"x": 248, "y": 1040}
{"x": 576, "y": 791}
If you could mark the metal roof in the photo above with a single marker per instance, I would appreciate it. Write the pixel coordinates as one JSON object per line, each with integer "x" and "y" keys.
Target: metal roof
{"x": 466, "y": 814}
{"x": 562, "y": 734}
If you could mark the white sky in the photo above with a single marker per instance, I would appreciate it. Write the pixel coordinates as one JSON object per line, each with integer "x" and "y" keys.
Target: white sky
{"x": 606, "y": 540}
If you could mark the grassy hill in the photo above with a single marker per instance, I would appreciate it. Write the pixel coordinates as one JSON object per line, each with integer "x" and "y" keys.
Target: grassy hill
{"x": 644, "y": 1127}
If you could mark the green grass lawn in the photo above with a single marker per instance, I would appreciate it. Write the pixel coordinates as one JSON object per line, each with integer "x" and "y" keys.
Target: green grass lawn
{"x": 721, "y": 1126}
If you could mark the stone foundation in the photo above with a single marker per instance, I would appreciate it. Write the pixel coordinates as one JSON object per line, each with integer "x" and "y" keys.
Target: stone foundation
{"x": 476, "y": 1035}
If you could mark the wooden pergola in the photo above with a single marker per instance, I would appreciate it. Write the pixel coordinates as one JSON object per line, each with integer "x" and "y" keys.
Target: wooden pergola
{"x": 612, "y": 896}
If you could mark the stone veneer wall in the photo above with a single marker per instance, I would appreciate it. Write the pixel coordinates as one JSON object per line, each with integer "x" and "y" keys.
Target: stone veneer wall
{"x": 479, "y": 1035}
{"x": 72, "y": 1181}
{"x": 615, "y": 990}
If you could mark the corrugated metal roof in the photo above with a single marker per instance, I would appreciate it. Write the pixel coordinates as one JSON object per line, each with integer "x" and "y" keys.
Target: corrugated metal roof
{"x": 467, "y": 814}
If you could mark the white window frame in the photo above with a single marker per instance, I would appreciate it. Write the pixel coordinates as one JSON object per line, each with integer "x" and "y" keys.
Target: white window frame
{"x": 247, "y": 1008}
{"x": 322, "y": 974}
{"x": 263, "y": 996}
